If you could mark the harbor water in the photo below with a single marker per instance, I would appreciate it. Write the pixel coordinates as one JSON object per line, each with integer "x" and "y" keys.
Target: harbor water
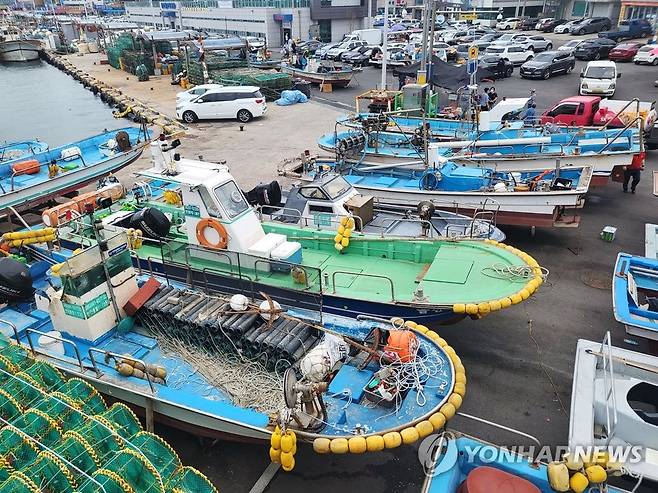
{"x": 41, "y": 102}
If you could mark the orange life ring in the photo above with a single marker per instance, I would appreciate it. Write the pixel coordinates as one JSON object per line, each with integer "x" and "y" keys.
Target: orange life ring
{"x": 217, "y": 226}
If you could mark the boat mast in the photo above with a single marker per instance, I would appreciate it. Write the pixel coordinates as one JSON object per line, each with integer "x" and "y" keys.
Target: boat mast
{"x": 385, "y": 45}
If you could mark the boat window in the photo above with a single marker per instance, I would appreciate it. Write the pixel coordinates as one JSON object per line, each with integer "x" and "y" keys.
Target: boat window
{"x": 208, "y": 202}
{"x": 312, "y": 193}
{"x": 336, "y": 187}
{"x": 231, "y": 198}
{"x": 83, "y": 283}
{"x": 320, "y": 209}
{"x": 643, "y": 400}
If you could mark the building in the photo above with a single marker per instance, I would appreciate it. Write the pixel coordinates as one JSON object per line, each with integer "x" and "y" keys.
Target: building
{"x": 275, "y": 20}
{"x": 642, "y": 9}
{"x": 592, "y": 8}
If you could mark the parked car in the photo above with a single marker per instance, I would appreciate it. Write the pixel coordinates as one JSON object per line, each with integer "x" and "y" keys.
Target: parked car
{"x": 539, "y": 43}
{"x": 462, "y": 51}
{"x": 549, "y": 26}
{"x": 629, "y": 29}
{"x": 594, "y": 49}
{"x": 359, "y": 57}
{"x": 486, "y": 40}
{"x": 571, "y": 45}
{"x": 395, "y": 57}
{"x": 647, "y": 54}
{"x": 528, "y": 24}
{"x": 322, "y": 50}
{"x": 451, "y": 51}
{"x": 546, "y": 64}
{"x": 593, "y": 111}
{"x": 240, "y": 102}
{"x": 599, "y": 77}
{"x": 509, "y": 38}
{"x": 254, "y": 42}
{"x": 311, "y": 46}
{"x": 591, "y": 25}
{"x": 624, "y": 52}
{"x": 542, "y": 21}
{"x": 566, "y": 27}
{"x": 195, "y": 92}
{"x": 517, "y": 54}
{"x": 491, "y": 62}
{"x": 507, "y": 24}
{"x": 335, "y": 53}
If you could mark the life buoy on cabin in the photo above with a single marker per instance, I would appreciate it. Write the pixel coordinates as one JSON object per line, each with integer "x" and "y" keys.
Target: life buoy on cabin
{"x": 219, "y": 229}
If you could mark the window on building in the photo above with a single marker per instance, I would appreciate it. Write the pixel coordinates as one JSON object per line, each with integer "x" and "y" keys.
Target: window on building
{"x": 324, "y": 27}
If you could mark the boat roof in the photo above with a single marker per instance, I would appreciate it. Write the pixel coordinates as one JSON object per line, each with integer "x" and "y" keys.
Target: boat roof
{"x": 192, "y": 172}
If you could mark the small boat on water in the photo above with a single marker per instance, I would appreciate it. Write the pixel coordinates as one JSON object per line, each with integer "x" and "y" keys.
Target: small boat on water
{"x": 210, "y": 231}
{"x": 58, "y": 435}
{"x": 242, "y": 367}
{"x": 31, "y": 180}
{"x": 21, "y": 149}
{"x": 614, "y": 403}
{"x": 15, "y": 48}
{"x": 329, "y": 198}
{"x": 533, "y": 198}
{"x": 635, "y": 295}
{"x": 317, "y": 72}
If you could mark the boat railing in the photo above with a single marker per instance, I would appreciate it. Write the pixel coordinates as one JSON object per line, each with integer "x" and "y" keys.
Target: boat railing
{"x": 540, "y": 148}
{"x": 49, "y": 163}
{"x": 423, "y": 222}
{"x": 635, "y": 101}
{"x": 475, "y": 148}
{"x": 119, "y": 357}
{"x": 621, "y": 132}
{"x": 305, "y": 221}
{"x": 64, "y": 341}
{"x": 361, "y": 274}
{"x": 610, "y": 397}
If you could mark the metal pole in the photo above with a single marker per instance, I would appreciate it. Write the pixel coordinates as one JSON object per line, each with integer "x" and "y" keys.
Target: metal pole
{"x": 428, "y": 73}
{"x": 385, "y": 44}
{"x": 423, "y": 60}
{"x": 369, "y": 26}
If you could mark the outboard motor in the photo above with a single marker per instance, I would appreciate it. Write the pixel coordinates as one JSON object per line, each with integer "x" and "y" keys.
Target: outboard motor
{"x": 265, "y": 194}
{"x": 152, "y": 222}
{"x": 15, "y": 281}
{"x": 123, "y": 141}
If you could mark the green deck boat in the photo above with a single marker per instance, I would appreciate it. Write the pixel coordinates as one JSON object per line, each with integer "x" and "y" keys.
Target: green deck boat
{"x": 196, "y": 225}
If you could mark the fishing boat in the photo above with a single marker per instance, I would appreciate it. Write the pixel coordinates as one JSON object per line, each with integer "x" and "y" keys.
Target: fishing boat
{"x": 59, "y": 435}
{"x": 464, "y": 464}
{"x": 241, "y": 367}
{"x": 532, "y": 198}
{"x": 14, "y": 48}
{"x": 509, "y": 150}
{"x": 320, "y": 73}
{"x": 25, "y": 183}
{"x": 197, "y": 222}
{"x": 329, "y": 198}
{"x": 635, "y": 295}
{"x": 21, "y": 149}
{"x": 614, "y": 404}
{"x": 264, "y": 64}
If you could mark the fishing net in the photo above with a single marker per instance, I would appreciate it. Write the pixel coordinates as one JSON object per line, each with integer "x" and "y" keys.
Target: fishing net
{"x": 77, "y": 451}
{"x": 123, "y": 420}
{"x": 16, "y": 449}
{"x": 18, "y": 483}
{"x": 41, "y": 427}
{"x": 161, "y": 455}
{"x": 189, "y": 480}
{"x": 9, "y": 407}
{"x": 84, "y": 395}
{"x": 49, "y": 473}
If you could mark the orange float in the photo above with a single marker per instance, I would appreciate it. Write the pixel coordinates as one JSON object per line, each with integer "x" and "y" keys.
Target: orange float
{"x": 218, "y": 227}
{"x": 29, "y": 167}
{"x": 403, "y": 343}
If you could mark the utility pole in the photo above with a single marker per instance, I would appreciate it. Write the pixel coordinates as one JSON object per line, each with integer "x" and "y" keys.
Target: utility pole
{"x": 423, "y": 60}
{"x": 369, "y": 26}
{"x": 385, "y": 44}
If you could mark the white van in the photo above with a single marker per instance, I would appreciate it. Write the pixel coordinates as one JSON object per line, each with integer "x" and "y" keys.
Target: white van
{"x": 195, "y": 92}
{"x": 599, "y": 78}
{"x": 240, "y": 102}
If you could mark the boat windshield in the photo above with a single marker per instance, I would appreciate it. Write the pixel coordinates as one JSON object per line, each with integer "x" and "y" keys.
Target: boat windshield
{"x": 336, "y": 187}
{"x": 231, "y": 198}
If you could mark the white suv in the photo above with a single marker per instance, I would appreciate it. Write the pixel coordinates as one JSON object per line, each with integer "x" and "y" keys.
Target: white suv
{"x": 517, "y": 54}
{"x": 240, "y": 102}
{"x": 195, "y": 92}
{"x": 511, "y": 23}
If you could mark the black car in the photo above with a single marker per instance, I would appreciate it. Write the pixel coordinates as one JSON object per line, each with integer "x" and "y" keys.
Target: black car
{"x": 594, "y": 49}
{"x": 528, "y": 24}
{"x": 359, "y": 57}
{"x": 546, "y": 64}
{"x": 591, "y": 25}
{"x": 490, "y": 62}
{"x": 550, "y": 25}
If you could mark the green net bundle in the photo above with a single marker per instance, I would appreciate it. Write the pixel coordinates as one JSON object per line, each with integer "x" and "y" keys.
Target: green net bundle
{"x": 58, "y": 435}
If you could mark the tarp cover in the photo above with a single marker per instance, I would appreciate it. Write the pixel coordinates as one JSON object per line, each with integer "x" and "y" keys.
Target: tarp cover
{"x": 291, "y": 97}
{"x": 446, "y": 75}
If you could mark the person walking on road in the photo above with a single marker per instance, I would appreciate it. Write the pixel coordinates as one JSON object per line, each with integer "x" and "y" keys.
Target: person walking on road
{"x": 634, "y": 172}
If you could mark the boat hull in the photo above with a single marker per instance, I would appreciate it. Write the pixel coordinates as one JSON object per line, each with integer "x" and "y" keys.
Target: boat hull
{"x": 18, "y": 51}
{"x": 335, "y": 79}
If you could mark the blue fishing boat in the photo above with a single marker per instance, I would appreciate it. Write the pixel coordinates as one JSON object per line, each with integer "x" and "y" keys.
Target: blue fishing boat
{"x": 635, "y": 294}
{"x": 21, "y": 149}
{"x": 242, "y": 366}
{"x": 508, "y": 150}
{"x": 55, "y": 172}
{"x": 463, "y": 464}
{"x": 530, "y": 198}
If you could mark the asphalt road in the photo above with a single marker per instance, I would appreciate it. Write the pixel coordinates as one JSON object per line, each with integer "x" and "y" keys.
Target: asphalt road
{"x": 519, "y": 362}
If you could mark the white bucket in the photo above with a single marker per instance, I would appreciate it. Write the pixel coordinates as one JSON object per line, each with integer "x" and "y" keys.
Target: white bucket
{"x": 92, "y": 46}
{"x": 51, "y": 345}
{"x": 500, "y": 187}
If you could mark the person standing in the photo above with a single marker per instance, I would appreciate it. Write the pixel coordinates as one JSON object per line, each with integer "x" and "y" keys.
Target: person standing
{"x": 634, "y": 172}
{"x": 484, "y": 100}
{"x": 493, "y": 97}
{"x": 530, "y": 116}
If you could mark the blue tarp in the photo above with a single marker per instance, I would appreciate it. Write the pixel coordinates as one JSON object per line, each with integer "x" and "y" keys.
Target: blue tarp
{"x": 291, "y": 97}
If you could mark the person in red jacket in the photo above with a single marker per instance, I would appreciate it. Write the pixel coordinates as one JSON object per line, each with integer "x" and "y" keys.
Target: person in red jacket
{"x": 634, "y": 171}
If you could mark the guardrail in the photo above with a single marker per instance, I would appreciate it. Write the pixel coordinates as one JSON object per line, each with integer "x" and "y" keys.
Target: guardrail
{"x": 360, "y": 274}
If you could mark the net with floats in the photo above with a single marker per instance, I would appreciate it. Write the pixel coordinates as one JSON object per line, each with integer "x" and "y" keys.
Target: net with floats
{"x": 58, "y": 435}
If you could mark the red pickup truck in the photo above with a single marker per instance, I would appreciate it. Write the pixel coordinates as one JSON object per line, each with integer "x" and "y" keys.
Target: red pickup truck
{"x": 588, "y": 111}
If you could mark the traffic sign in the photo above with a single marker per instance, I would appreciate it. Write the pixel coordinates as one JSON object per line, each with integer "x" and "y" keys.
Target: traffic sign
{"x": 472, "y": 66}
{"x": 473, "y": 53}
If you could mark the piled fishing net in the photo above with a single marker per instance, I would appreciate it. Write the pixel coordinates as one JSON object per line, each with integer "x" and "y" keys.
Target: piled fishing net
{"x": 58, "y": 435}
